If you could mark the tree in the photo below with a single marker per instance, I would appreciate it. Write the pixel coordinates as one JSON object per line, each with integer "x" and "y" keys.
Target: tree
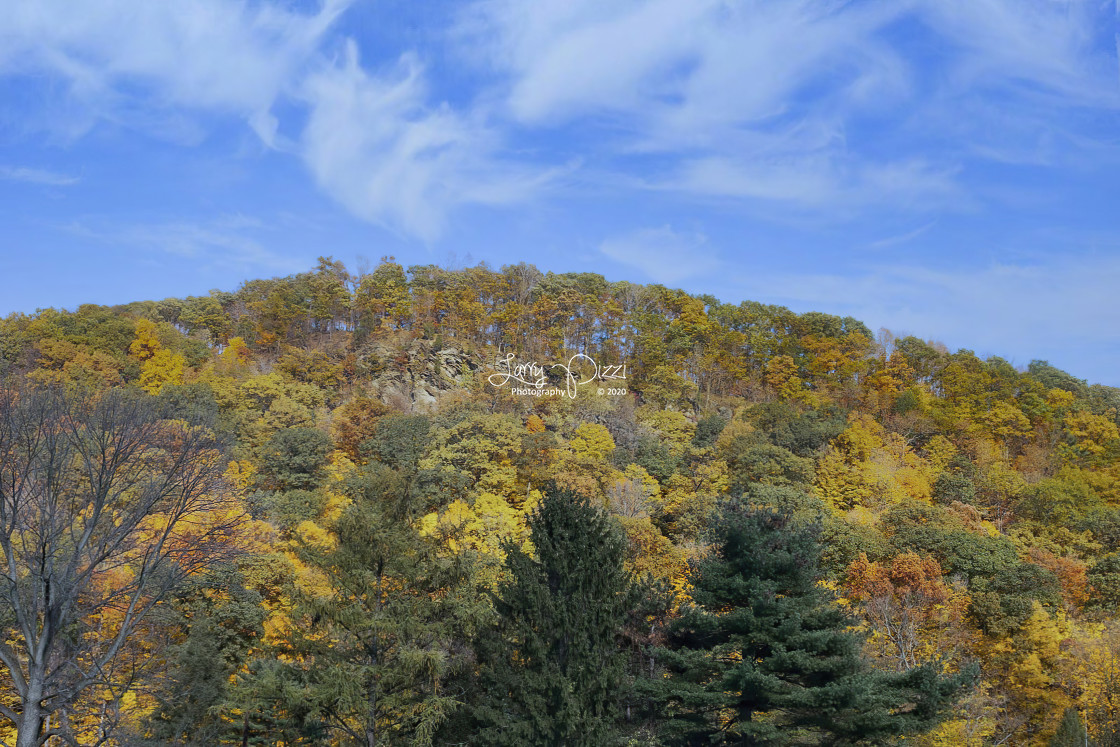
{"x": 766, "y": 655}
{"x": 382, "y": 298}
{"x": 374, "y": 639}
{"x": 552, "y": 668}
{"x": 1071, "y": 732}
{"x": 294, "y": 459}
{"x": 909, "y": 605}
{"x": 223, "y": 623}
{"x": 768, "y": 464}
{"x": 104, "y": 508}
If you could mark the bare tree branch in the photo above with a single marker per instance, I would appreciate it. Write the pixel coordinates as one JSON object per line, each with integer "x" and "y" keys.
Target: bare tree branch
{"x": 105, "y": 507}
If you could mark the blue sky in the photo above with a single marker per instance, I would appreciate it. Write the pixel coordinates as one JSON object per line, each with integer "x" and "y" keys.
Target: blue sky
{"x": 946, "y": 168}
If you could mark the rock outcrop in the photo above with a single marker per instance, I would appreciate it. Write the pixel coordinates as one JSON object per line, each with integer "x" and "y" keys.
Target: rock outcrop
{"x": 414, "y": 376}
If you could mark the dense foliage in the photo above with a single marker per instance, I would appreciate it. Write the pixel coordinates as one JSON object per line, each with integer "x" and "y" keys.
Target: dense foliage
{"x": 304, "y": 513}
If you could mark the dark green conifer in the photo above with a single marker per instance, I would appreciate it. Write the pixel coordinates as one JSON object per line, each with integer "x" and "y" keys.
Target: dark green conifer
{"x": 552, "y": 669}
{"x": 367, "y": 654}
{"x": 767, "y": 657}
{"x": 1071, "y": 732}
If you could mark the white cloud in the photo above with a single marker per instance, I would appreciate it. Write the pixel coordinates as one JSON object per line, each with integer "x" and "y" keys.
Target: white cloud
{"x": 903, "y": 238}
{"x": 1054, "y": 46}
{"x": 375, "y": 145}
{"x": 37, "y": 176}
{"x": 662, "y": 254}
{"x": 678, "y": 68}
{"x": 757, "y": 101}
{"x": 373, "y": 142}
{"x": 820, "y": 180}
{"x": 770, "y": 100}
{"x": 119, "y": 55}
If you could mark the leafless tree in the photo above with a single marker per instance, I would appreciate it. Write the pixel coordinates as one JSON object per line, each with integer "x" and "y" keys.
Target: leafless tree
{"x": 104, "y": 508}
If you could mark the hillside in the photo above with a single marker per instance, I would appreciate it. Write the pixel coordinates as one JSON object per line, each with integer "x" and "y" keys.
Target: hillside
{"x": 394, "y": 451}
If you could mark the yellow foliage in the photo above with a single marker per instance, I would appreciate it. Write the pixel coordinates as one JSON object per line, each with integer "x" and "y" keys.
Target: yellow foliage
{"x": 241, "y": 474}
{"x": 675, "y": 429}
{"x": 1059, "y": 399}
{"x": 1097, "y": 677}
{"x": 339, "y": 467}
{"x": 482, "y": 527}
{"x": 162, "y": 368}
{"x": 733, "y": 430}
{"x": 650, "y": 553}
{"x": 146, "y": 344}
{"x": 974, "y": 722}
{"x": 1091, "y": 435}
{"x": 1006, "y": 421}
{"x": 1035, "y": 667}
{"x": 236, "y": 355}
{"x": 315, "y": 535}
{"x": 782, "y": 377}
{"x": 63, "y": 362}
{"x": 534, "y": 424}
{"x": 308, "y": 579}
{"x": 939, "y": 452}
{"x": 865, "y": 465}
{"x": 335, "y": 504}
{"x": 592, "y": 441}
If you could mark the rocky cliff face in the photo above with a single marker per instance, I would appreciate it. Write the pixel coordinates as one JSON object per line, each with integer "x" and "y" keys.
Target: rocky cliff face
{"x": 413, "y": 376}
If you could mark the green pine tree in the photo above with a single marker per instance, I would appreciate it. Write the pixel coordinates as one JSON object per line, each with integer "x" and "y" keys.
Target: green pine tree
{"x": 552, "y": 669}
{"x": 766, "y": 656}
{"x": 1071, "y": 732}
{"x": 223, "y": 620}
{"x": 365, "y": 662}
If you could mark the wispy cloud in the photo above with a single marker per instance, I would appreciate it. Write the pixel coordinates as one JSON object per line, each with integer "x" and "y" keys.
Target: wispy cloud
{"x": 835, "y": 107}
{"x": 373, "y": 140}
{"x": 1056, "y": 48}
{"x": 820, "y": 181}
{"x": 902, "y": 238}
{"x": 121, "y": 56}
{"x": 229, "y": 242}
{"x": 37, "y": 176}
{"x": 772, "y": 100}
{"x": 662, "y": 254}
{"x": 375, "y": 145}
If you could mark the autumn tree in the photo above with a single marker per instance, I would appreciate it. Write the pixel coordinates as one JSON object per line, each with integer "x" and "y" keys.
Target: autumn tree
{"x": 104, "y": 508}
{"x": 909, "y": 605}
{"x": 382, "y": 297}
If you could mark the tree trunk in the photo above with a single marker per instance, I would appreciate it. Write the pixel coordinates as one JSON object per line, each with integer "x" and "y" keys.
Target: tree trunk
{"x": 371, "y": 721}
{"x": 371, "y": 695}
{"x": 30, "y": 725}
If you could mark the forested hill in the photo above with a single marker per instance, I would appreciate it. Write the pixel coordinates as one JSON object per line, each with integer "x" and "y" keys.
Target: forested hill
{"x": 378, "y": 548}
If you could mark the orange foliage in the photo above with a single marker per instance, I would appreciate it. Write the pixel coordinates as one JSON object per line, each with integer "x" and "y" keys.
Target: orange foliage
{"x": 909, "y": 605}
{"x": 1070, "y": 572}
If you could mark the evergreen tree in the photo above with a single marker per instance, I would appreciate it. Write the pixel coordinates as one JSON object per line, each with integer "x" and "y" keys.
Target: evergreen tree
{"x": 766, "y": 656}
{"x": 552, "y": 669}
{"x": 1071, "y": 732}
{"x": 224, "y": 623}
{"x": 368, "y": 650}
